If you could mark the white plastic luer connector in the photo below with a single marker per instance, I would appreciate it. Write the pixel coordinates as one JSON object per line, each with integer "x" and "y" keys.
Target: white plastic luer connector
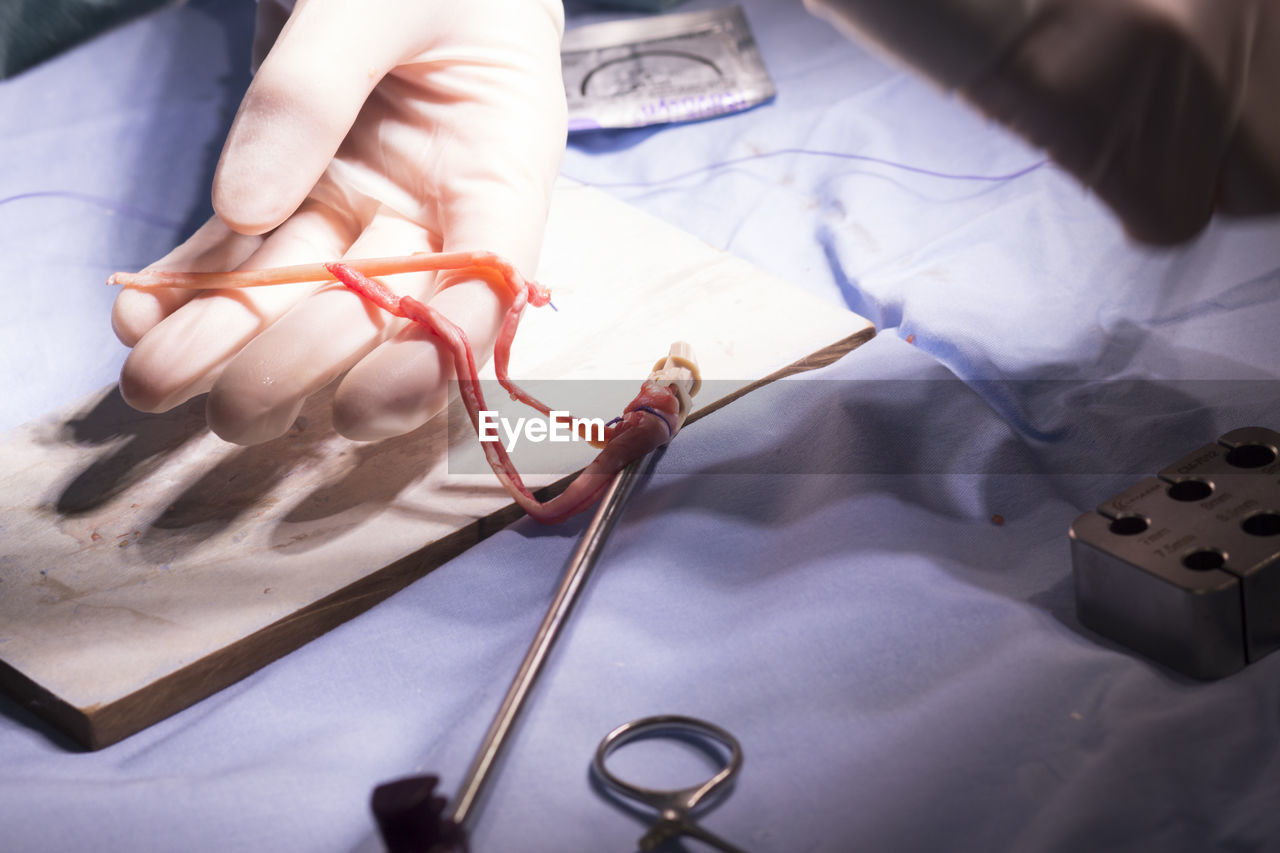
{"x": 679, "y": 369}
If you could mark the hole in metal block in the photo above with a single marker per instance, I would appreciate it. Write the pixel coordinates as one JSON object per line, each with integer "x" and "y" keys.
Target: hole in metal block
{"x": 1262, "y": 524}
{"x": 1250, "y": 456}
{"x": 1190, "y": 490}
{"x": 1129, "y": 525}
{"x": 1204, "y": 560}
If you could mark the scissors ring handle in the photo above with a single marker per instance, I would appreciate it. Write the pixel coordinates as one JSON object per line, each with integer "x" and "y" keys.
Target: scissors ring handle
{"x": 681, "y": 800}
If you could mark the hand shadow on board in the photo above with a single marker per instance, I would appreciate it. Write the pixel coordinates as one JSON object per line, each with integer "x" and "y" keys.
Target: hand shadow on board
{"x": 143, "y": 443}
{"x": 360, "y": 480}
{"x": 357, "y": 480}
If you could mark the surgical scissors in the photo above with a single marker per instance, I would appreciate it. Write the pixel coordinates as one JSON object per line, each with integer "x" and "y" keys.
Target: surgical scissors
{"x": 675, "y": 806}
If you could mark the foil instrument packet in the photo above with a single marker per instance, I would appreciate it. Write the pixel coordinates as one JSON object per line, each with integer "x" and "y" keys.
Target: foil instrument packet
{"x": 655, "y": 70}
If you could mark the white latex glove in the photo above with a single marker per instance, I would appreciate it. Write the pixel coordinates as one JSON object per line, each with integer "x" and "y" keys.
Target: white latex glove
{"x": 1167, "y": 109}
{"x": 373, "y": 127}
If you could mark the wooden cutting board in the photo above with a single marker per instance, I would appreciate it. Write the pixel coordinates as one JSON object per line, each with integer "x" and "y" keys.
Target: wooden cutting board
{"x": 146, "y": 564}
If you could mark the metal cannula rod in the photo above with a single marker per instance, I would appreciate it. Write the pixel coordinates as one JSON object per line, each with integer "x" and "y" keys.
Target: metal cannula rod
{"x": 571, "y": 584}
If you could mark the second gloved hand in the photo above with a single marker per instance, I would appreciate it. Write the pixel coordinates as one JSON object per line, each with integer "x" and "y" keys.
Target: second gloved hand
{"x": 1164, "y": 108}
{"x": 374, "y": 127}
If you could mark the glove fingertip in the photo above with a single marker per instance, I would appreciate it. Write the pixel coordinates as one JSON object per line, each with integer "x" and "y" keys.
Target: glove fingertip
{"x": 242, "y": 417}
{"x": 361, "y": 415}
{"x": 145, "y": 387}
{"x": 128, "y": 323}
{"x": 136, "y": 312}
{"x": 240, "y": 202}
{"x": 394, "y": 390}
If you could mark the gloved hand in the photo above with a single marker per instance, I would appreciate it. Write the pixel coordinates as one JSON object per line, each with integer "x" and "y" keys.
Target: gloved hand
{"x": 1165, "y": 108}
{"x": 373, "y": 127}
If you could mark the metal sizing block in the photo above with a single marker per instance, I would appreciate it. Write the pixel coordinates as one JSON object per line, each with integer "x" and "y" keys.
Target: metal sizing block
{"x": 1184, "y": 567}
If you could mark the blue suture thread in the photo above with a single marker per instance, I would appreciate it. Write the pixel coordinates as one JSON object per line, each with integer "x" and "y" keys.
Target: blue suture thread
{"x": 839, "y": 155}
{"x": 98, "y": 201}
{"x": 656, "y": 414}
{"x": 553, "y": 306}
